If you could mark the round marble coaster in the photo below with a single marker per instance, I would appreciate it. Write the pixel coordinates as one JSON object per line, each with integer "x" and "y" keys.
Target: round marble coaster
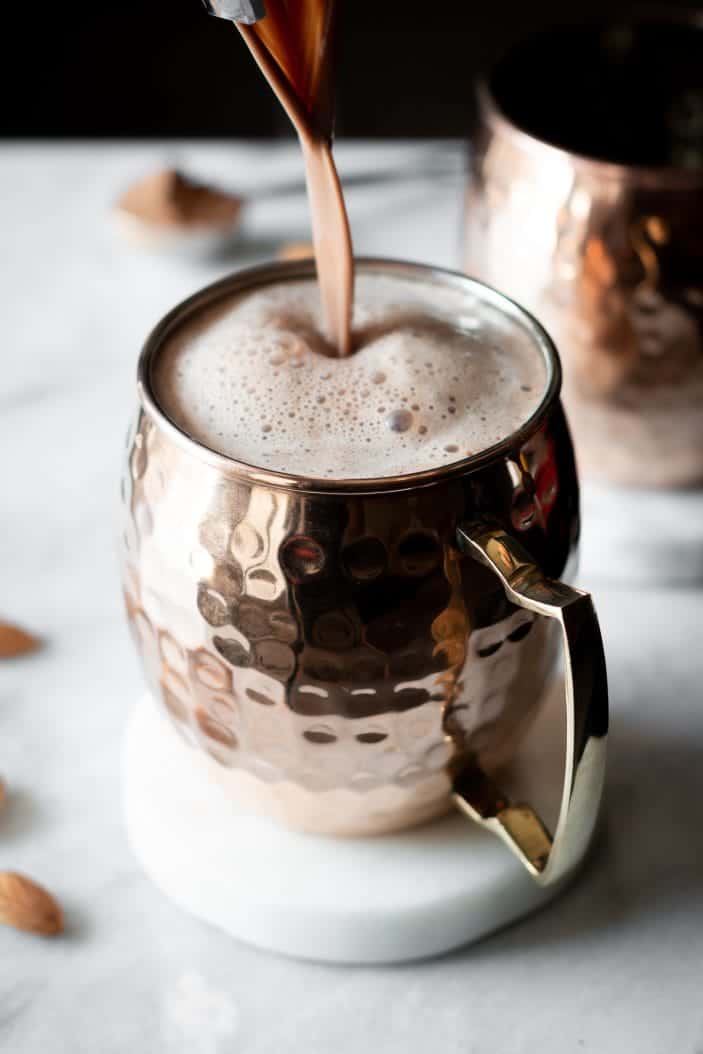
{"x": 355, "y": 900}
{"x": 636, "y": 536}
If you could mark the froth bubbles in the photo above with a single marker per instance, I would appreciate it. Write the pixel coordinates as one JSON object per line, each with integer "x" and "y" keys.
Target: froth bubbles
{"x": 250, "y": 379}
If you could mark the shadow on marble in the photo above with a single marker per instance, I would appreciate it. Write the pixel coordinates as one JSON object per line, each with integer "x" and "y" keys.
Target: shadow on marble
{"x": 79, "y": 924}
{"x": 20, "y": 816}
{"x": 241, "y": 248}
{"x": 648, "y": 861}
{"x": 17, "y": 999}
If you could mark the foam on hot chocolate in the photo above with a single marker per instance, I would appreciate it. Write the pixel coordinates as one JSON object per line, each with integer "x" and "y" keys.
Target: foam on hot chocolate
{"x": 436, "y": 376}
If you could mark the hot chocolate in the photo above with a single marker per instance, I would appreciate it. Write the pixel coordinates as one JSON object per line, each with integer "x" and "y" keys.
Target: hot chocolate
{"x": 293, "y": 45}
{"x": 435, "y": 377}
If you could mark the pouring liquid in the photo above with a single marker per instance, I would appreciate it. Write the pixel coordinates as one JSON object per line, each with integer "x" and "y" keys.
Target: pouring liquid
{"x": 293, "y": 46}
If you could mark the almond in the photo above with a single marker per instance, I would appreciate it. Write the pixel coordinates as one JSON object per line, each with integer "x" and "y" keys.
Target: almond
{"x": 26, "y": 906}
{"x": 15, "y": 641}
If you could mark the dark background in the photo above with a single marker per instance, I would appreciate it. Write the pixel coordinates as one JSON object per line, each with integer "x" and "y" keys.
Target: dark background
{"x": 165, "y": 68}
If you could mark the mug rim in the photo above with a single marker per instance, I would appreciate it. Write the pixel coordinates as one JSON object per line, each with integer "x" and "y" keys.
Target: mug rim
{"x": 268, "y": 273}
{"x": 497, "y": 120}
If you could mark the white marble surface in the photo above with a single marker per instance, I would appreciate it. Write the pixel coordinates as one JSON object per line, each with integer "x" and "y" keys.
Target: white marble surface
{"x": 344, "y": 900}
{"x": 614, "y": 966}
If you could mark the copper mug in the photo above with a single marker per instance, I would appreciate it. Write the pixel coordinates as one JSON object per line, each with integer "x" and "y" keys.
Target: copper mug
{"x": 585, "y": 203}
{"x": 354, "y": 656}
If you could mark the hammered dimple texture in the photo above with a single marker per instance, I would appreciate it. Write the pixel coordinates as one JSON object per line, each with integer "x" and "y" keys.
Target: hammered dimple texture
{"x": 611, "y": 261}
{"x": 337, "y": 643}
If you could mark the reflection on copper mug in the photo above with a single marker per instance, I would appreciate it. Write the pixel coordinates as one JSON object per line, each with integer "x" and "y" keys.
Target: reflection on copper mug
{"x": 585, "y": 203}
{"x": 355, "y": 656}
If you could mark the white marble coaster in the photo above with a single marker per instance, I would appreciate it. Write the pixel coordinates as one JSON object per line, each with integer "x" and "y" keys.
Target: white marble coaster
{"x": 636, "y": 536}
{"x": 354, "y": 900}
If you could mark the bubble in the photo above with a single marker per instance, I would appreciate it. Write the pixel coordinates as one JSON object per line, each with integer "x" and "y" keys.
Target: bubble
{"x": 451, "y": 448}
{"x": 378, "y": 377}
{"x": 399, "y": 420}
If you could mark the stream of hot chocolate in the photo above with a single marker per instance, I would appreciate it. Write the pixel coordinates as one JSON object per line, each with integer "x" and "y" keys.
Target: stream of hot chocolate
{"x": 293, "y": 46}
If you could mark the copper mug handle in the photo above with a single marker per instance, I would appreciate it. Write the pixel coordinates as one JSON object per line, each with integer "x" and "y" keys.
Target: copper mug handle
{"x": 547, "y": 858}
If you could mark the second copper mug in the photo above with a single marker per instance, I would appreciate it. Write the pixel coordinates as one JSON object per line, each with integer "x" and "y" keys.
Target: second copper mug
{"x": 354, "y": 656}
{"x": 585, "y": 203}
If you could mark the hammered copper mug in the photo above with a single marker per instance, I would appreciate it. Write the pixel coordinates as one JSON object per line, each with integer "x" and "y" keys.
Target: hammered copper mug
{"x": 585, "y": 203}
{"x": 356, "y": 655}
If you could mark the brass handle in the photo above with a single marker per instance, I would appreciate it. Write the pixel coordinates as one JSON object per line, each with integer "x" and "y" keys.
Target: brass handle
{"x": 547, "y": 858}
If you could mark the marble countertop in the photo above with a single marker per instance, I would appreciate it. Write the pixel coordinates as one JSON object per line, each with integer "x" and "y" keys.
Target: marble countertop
{"x": 615, "y": 965}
